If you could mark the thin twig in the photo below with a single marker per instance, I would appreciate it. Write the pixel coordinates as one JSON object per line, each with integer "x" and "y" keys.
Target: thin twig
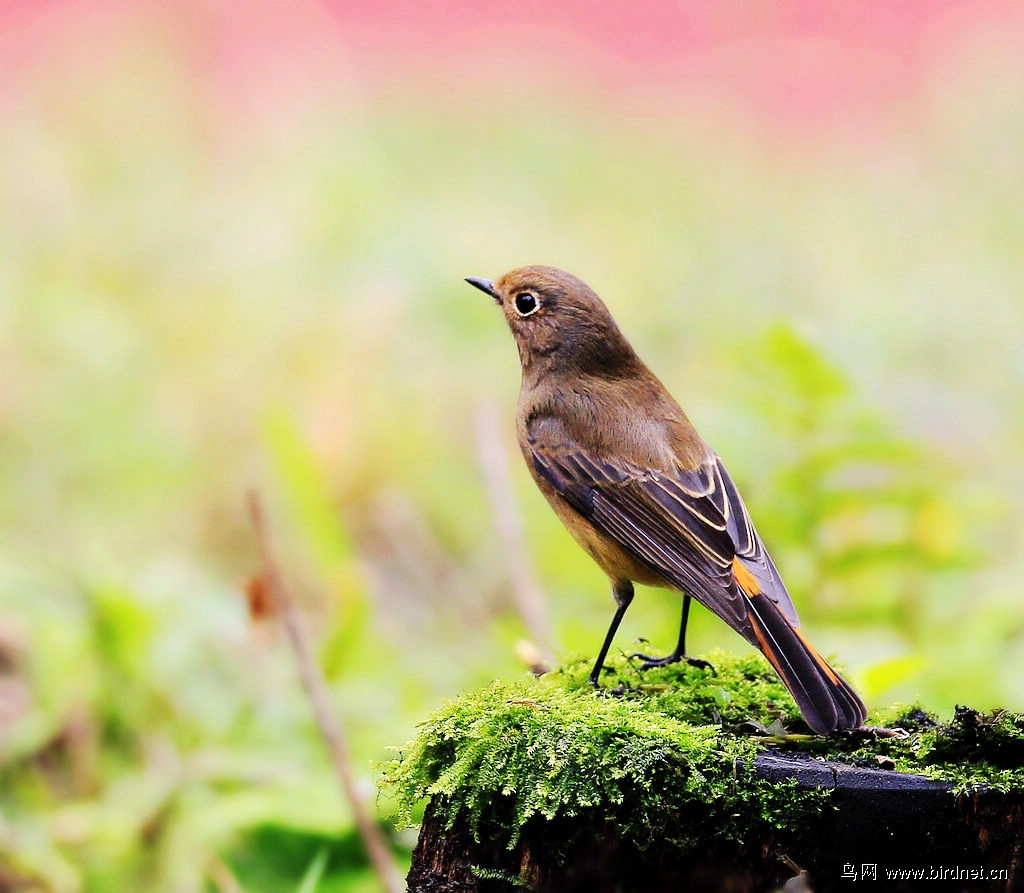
{"x": 316, "y": 687}
{"x": 526, "y": 591}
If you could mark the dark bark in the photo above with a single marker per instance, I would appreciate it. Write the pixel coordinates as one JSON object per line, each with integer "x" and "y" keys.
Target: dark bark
{"x": 880, "y": 818}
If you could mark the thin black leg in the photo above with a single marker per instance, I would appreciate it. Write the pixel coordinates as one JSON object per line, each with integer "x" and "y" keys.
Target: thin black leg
{"x": 623, "y": 592}
{"x": 680, "y": 650}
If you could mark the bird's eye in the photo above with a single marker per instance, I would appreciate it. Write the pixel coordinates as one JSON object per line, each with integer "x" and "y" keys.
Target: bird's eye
{"x": 526, "y": 303}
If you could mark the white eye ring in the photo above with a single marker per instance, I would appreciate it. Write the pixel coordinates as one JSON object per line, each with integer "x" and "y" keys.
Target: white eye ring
{"x": 526, "y": 302}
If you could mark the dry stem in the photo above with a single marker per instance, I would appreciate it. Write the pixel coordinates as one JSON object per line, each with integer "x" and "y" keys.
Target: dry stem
{"x": 316, "y": 688}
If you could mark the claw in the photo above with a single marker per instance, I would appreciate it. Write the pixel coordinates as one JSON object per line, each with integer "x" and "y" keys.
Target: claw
{"x": 649, "y": 661}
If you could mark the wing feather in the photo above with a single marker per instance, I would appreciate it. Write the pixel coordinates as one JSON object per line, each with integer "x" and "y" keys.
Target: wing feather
{"x": 686, "y": 525}
{"x": 751, "y": 551}
{"x": 668, "y": 522}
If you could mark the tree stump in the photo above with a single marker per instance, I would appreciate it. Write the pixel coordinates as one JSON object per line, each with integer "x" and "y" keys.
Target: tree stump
{"x": 904, "y": 832}
{"x": 696, "y": 781}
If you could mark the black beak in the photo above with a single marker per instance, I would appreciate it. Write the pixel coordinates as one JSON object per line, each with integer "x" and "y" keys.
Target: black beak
{"x": 485, "y": 285}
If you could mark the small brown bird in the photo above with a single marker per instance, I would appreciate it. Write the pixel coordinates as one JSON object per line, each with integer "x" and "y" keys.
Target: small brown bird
{"x": 639, "y": 489}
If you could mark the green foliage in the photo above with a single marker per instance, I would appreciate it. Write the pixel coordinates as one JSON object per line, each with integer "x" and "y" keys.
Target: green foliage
{"x": 278, "y": 857}
{"x": 160, "y": 755}
{"x": 641, "y": 752}
{"x": 320, "y": 531}
{"x": 311, "y": 879}
{"x": 157, "y": 761}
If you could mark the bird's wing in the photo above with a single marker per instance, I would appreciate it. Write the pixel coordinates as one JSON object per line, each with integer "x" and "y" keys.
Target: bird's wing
{"x": 750, "y": 550}
{"x": 690, "y": 527}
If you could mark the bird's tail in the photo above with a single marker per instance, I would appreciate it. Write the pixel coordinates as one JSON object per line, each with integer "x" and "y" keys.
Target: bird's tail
{"x": 826, "y": 700}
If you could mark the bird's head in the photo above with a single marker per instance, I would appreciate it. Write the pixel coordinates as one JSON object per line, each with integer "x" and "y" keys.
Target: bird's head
{"x": 557, "y": 321}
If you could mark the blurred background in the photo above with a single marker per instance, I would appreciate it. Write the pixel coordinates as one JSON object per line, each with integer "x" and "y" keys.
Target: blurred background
{"x": 232, "y": 243}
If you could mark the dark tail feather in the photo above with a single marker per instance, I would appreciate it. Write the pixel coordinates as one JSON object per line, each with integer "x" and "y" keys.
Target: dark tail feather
{"x": 826, "y": 700}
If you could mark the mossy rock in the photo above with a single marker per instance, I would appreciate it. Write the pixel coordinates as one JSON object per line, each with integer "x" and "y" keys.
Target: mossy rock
{"x": 686, "y": 778}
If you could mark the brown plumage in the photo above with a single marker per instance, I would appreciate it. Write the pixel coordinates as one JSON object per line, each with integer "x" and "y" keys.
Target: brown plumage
{"x": 638, "y": 488}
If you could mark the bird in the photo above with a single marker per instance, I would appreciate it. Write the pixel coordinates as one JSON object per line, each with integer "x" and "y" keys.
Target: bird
{"x": 639, "y": 489}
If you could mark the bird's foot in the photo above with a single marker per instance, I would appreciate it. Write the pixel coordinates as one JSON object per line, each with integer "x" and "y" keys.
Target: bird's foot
{"x": 673, "y": 658}
{"x": 595, "y": 682}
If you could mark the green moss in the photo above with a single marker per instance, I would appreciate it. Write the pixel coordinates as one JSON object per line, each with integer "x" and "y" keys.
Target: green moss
{"x": 638, "y": 752}
{"x": 656, "y": 752}
{"x": 970, "y": 752}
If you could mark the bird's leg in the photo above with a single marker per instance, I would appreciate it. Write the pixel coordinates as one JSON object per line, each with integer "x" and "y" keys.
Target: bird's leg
{"x": 623, "y": 593}
{"x": 680, "y": 650}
